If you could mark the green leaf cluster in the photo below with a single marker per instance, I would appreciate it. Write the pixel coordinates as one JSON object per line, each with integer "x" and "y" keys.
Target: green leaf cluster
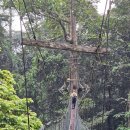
{"x": 13, "y": 113}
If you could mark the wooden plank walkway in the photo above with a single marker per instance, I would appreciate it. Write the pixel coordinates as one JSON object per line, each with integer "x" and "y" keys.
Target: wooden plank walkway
{"x": 72, "y": 119}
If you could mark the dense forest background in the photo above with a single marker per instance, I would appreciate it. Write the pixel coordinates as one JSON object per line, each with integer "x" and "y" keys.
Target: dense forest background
{"x": 106, "y": 105}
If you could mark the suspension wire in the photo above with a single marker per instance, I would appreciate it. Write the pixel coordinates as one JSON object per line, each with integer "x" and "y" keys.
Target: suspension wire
{"x": 102, "y": 23}
{"x": 34, "y": 11}
{"x": 103, "y": 18}
{"x": 21, "y": 18}
{"x": 39, "y": 50}
{"x": 104, "y": 99}
{"x": 101, "y": 29}
{"x": 25, "y": 77}
{"x": 106, "y": 57}
{"x": 107, "y": 68}
{"x": 32, "y": 29}
{"x": 103, "y": 81}
{"x": 28, "y": 35}
{"x": 34, "y": 36}
{"x": 98, "y": 55}
{"x": 24, "y": 63}
{"x": 92, "y": 84}
{"x": 108, "y": 23}
{"x": 100, "y": 33}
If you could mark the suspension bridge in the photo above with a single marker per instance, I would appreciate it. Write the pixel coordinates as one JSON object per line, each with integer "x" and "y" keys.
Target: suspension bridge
{"x": 70, "y": 121}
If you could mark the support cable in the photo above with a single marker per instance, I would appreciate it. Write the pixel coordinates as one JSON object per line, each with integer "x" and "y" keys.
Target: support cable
{"x": 106, "y": 60}
{"x": 102, "y": 23}
{"x": 25, "y": 77}
{"x": 100, "y": 33}
{"x": 93, "y": 81}
{"x": 28, "y": 35}
{"x": 25, "y": 27}
{"x": 23, "y": 59}
{"x": 34, "y": 36}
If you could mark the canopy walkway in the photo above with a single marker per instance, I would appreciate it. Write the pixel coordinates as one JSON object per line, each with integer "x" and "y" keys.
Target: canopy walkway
{"x": 70, "y": 121}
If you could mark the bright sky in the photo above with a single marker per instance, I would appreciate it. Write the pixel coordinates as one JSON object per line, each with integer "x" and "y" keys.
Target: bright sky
{"x": 16, "y": 22}
{"x": 101, "y": 6}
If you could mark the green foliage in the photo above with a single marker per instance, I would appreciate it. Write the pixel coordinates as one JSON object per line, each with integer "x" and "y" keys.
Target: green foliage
{"x": 115, "y": 68}
{"x": 86, "y": 103}
{"x": 13, "y": 109}
{"x": 125, "y": 115}
{"x": 122, "y": 114}
{"x": 99, "y": 117}
{"x": 123, "y": 128}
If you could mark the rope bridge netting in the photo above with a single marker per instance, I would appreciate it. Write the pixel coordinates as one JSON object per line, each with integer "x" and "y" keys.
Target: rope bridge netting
{"x": 70, "y": 121}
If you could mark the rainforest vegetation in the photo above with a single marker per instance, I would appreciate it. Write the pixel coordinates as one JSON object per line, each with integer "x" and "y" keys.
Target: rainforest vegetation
{"x": 37, "y": 74}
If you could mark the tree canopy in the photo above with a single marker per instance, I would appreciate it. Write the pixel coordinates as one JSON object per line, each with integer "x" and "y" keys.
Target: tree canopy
{"x": 13, "y": 114}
